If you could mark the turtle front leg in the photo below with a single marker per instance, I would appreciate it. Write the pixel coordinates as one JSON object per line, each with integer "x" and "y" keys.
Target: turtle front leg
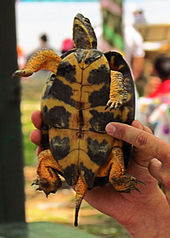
{"x": 118, "y": 93}
{"x": 48, "y": 179}
{"x": 42, "y": 59}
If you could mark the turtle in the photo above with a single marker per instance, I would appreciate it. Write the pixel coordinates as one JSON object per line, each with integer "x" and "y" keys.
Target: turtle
{"x": 85, "y": 90}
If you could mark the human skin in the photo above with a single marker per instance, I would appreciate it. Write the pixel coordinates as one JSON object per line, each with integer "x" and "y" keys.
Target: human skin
{"x": 145, "y": 213}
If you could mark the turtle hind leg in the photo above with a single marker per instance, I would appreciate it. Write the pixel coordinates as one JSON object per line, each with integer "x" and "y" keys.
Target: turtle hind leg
{"x": 80, "y": 189}
{"x": 42, "y": 59}
{"x": 48, "y": 179}
{"x": 121, "y": 181}
{"x": 115, "y": 170}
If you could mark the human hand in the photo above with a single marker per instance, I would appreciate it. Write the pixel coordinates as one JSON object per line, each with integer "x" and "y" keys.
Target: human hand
{"x": 148, "y": 150}
{"x": 134, "y": 209}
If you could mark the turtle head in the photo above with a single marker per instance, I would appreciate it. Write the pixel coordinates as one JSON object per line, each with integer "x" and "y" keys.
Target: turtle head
{"x": 83, "y": 34}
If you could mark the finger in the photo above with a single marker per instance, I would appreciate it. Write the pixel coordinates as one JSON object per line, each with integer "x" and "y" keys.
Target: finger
{"x": 167, "y": 194}
{"x": 139, "y": 125}
{"x": 37, "y": 119}
{"x": 139, "y": 156}
{"x": 35, "y": 137}
{"x": 161, "y": 173}
{"x": 154, "y": 168}
{"x": 143, "y": 140}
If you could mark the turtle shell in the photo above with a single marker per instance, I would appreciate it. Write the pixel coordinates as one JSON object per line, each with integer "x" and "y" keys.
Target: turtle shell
{"x": 73, "y": 108}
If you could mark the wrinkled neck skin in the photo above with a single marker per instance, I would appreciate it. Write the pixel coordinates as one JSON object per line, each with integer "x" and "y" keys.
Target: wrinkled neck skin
{"x": 83, "y": 34}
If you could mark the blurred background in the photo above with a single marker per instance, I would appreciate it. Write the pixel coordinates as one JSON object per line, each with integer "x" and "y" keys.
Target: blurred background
{"x": 140, "y": 30}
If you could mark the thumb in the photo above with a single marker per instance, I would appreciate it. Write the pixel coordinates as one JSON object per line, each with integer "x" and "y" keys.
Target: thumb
{"x": 142, "y": 140}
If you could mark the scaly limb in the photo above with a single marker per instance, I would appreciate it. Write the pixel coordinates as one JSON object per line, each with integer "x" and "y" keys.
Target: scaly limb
{"x": 118, "y": 63}
{"x": 42, "y": 59}
{"x": 118, "y": 93}
{"x": 48, "y": 179}
{"x": 80, "y": 190}
{"x": 121, "y": 181}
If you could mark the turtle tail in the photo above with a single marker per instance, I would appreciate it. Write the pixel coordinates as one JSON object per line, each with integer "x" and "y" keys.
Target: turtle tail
{"x": 80, "y": 189}
{"x": 42, "y": 59}
{"x": 77, "y": 208}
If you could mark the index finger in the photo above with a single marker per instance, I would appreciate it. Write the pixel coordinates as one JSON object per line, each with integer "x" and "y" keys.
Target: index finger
{"x": 142, "y": 140}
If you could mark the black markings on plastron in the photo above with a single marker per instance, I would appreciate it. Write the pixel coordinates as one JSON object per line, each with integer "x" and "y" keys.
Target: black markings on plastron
{"x": 99, "y": 75}
{"x": 57, "y": 117}
{"x": 49, "y": 83}
{"x": 70, "y": 174}
{"x": 88, "y": 175}
{"x": 98, "y": 151}
{"x": 67, "y": 70}
{"x": 62, "y": 92}
{"x": 60, "y": 147}
{"x": 44, "y": 137}
{"x": 80, "y": 55}
{"x": 99, "y": 120}
{"x": 100, "y": 97}
{"x": 67, "y": 53}
{"x": 93, "y": 56}
{"x": 44, "y": 141}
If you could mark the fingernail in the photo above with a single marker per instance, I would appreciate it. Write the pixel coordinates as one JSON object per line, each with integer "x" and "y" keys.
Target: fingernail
{"x": 110, "y": 129}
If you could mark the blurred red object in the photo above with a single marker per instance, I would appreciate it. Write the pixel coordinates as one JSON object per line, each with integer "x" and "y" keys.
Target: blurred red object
{"x": 67, "y": 45}
{"x": 21, "y": 57}
{"x": 163, "y": 89}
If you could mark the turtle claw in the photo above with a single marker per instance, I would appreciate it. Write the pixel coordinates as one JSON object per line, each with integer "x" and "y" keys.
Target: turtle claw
{"x": 137, "y": 190}
{"x": 38, "y": 189}
{"x": 45, "y": 186}
{"x": 107, "y": 106}
{"x": 113, "y": 105}
{"x": 22, "y": 73}
{"x": 126, "y": 183}
{"x": 35, "y": 182}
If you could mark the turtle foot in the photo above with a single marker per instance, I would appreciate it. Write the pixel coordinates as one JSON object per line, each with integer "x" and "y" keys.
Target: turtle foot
{"x": 125, "y": 183}
{"x": 113, "y": 104}
{"x": 22, "y": 73}
{"x": 46, "y": 186}
{"x": 118, "y": 92}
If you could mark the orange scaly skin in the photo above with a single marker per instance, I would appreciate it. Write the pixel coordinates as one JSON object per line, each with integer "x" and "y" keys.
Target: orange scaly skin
{"x": 118, "y": 93}
{"x": 47, "y": 177}
{"x": 43, "y": 59}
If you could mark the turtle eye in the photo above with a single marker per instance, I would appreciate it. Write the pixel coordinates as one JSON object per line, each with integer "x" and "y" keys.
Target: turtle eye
{"x": 87, "y": 20}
